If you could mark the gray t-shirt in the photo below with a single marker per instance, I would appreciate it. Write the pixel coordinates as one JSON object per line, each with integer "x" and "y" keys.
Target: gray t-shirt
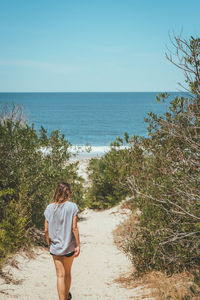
{"x": 60, "y": 217}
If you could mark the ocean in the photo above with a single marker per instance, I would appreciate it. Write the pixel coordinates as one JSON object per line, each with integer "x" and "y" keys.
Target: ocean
{"x": 89, "y": 118}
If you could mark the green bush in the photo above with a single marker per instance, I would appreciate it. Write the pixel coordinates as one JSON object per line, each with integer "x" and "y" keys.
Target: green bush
{"x": 166, "y": 190}
{"x": 167, "y": 236}
{"x": 31, "y": 165}
{"x": 13, "y": 228}
{"x": 108, "y": 174}
{"x": 107, "y": 177}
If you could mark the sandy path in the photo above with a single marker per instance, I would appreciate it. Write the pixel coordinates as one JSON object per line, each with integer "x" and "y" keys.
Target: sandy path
{"x": 93, "y": 272}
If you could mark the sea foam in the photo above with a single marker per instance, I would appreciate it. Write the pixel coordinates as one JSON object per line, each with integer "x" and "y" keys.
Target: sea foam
{"x": 84, "y": 151}
{"x": 91, "y": 151}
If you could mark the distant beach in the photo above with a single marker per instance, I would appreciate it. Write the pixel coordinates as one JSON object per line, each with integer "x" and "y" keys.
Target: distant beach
{"x": 83, "y": 152}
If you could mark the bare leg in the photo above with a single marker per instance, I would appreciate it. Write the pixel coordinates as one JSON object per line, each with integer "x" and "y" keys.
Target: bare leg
{"x": 63, "y": 271}
{"x": 68, "y": 264}
{"x": 60, "y": 272}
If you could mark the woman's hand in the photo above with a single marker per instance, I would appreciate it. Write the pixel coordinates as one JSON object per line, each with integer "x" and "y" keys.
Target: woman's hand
{"x": 77, "y": 251}
{"x": 76, "y": 235}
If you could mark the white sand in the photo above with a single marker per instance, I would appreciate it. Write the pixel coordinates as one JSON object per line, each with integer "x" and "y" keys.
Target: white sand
{"x": 82, "y": 170}
{"x": 93, "y": 272}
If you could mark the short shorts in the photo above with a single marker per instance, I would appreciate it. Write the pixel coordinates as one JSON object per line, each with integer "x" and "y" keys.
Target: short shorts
{"x": 66, "y": 255}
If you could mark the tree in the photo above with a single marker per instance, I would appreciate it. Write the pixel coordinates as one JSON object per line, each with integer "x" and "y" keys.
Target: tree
{"x": 167, "y": 235}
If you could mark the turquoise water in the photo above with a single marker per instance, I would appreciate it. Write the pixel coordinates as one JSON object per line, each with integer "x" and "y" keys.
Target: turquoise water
{"x": 94, "y": 118}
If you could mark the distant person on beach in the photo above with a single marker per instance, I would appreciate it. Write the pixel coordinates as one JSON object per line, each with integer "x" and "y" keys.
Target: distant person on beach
{"x": 62, "y": 236}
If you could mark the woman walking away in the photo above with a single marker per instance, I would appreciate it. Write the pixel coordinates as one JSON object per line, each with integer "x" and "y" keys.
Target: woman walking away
{"x": 62, "y": 236}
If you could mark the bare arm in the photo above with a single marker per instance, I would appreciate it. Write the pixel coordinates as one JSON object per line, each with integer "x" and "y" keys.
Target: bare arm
{"x": 76, "y": 234}
{"x": 46, "y": 232}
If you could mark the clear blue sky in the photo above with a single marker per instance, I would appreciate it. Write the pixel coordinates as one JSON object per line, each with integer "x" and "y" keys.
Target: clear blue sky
{"x": 96, "y": 45}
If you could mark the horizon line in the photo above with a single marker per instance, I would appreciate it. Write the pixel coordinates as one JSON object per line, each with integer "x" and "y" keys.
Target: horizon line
{"x": 5, "y": 92}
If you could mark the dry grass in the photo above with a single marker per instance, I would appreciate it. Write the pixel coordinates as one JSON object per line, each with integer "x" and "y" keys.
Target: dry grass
{"x": 162, "y": 287}
{"x": 125, "y": 230}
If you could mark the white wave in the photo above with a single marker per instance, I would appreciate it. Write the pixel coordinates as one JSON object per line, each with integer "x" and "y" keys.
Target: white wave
{"x": 91, "y": 151}
{"x": 84, "y": 151}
